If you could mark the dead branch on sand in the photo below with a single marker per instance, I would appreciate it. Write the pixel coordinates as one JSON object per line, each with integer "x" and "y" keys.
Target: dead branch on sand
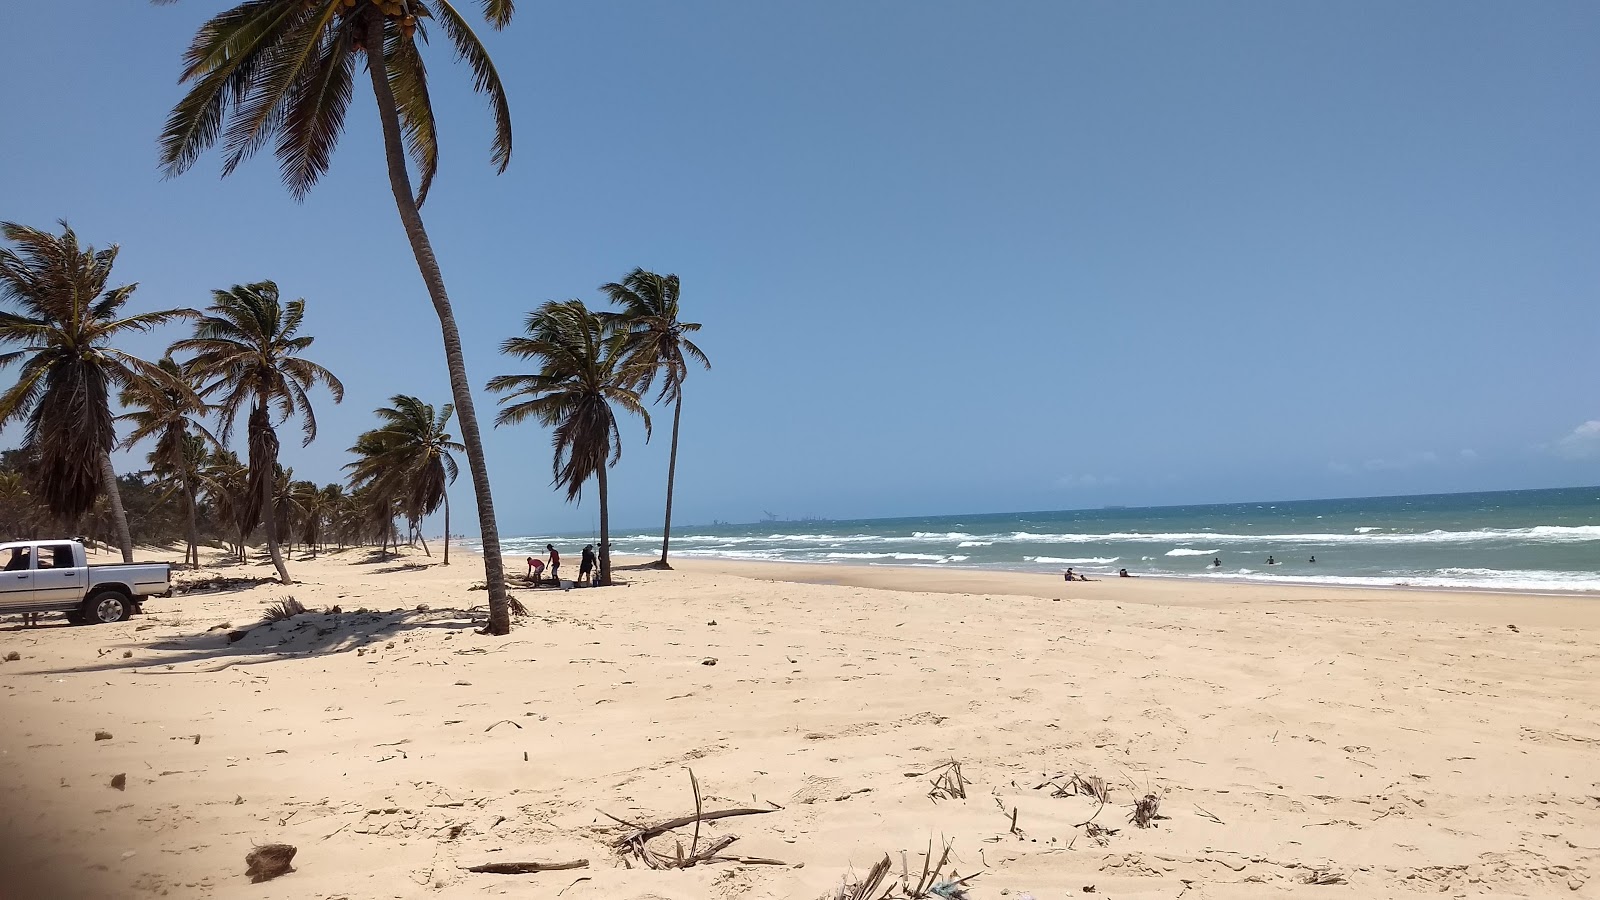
{"x": 636, "y": 842}
{"x": 1146, "y": 810}
{"x": 948, "y": 782}
{"x": 527, "y": 868}
{"x": 932, "y": 883}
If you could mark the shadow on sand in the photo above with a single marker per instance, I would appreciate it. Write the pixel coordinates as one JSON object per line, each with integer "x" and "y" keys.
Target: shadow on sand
{"x": 306, "y": 635}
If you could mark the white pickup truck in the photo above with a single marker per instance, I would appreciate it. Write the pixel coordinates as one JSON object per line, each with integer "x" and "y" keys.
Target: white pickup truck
{"x": 55, "y": 576}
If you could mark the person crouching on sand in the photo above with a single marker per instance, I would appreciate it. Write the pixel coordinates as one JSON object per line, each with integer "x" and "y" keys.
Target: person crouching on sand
{"x": 535, "y": 570}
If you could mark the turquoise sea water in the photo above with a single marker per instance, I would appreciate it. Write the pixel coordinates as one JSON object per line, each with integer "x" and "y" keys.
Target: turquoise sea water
{"x": 1544, "y": 540}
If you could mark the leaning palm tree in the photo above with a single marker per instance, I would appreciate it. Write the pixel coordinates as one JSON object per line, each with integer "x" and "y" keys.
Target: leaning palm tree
{"x": 408, "y": 457}
{"x": 65, "y": 320}
{"x": 284, "y": 69}
{"x": 582, "y": 372}
{"x": 171, "y": 417}
{"x": 656, "y": 345}
{"x": 246, "y": 352}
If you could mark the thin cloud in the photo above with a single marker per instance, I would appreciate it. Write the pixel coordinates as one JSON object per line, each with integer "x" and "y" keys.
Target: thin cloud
{"x": 1087, "y": 481}
{"x": 1582, "y": 443}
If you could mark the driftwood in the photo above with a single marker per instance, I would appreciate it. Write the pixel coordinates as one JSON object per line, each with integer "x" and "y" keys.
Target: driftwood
{"x": 527, "y": 868}
{"x": 647, "y": 832}
{"x": 636, "y": 842}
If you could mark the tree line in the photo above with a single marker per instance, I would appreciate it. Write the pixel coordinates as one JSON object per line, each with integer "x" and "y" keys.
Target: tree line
{"x": 245, "y": 358}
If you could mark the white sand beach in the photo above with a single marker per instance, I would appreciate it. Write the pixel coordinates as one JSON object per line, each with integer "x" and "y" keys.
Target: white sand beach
{"x": 1384, "y": 743}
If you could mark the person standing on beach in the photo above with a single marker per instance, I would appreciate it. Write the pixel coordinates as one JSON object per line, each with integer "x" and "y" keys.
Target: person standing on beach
{"x": 555, "y": 564}
{"x": 586, "y": 565}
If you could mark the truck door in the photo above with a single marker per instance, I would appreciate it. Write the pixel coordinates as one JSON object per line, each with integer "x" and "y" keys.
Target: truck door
{"x": 58, "y": 579}
{"x": 16, "y": 579}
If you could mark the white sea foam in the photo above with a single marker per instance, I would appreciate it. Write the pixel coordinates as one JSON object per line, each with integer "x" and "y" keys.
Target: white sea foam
{"x": 976, "y": 544}
{"x": 1534, "y": 580}
{"x": 1186, "y": 551}
{"x": 1365, "y": 529}
{"x": 1087, "y": 561}
{"x": 1553, "y": 534}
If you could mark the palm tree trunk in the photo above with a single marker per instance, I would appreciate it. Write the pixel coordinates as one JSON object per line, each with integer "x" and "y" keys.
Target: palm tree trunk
{"x": 460, "y": 387}
{"x": 605, "y": 530}
{"x": 418, "y": 533}
{"x": 194, "y": 529}
{"x": 120, "y": 516}
{"x": 264, "y": 463}
{"x": 672, "y": 469}
{"x": 447, "y": 529}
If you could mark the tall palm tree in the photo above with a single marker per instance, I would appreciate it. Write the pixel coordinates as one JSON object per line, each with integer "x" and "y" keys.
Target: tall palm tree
{"x": 171, "y": 417}
{"x": 656, "y": 345}
{"x": 408, "y": 457}
{"x": 246, "y": 351}
{"x": 66, "y": 319}
{"x": 284, "y": 69}
{"x": 582, "y": 372}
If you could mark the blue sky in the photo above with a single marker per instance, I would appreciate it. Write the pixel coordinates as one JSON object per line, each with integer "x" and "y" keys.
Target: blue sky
{"x": 950, "y": 257}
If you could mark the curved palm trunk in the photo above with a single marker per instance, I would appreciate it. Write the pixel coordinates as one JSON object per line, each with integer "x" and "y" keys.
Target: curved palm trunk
{"x": 460, "y": 388}
{"x": 447, "y": 529}
{"x": 672, "y": 469}
{"x": 118, "y": 515}
{"x": 605, "y": 530}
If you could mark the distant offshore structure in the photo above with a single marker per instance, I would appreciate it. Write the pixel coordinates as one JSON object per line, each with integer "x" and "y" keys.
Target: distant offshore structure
{"x": 771, "y": 517}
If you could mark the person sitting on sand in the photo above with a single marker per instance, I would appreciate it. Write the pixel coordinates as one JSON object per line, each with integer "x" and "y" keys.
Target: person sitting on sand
{"x": 586, "y": 565}
{"x": 1070, "y": 576}
{"x": 555, "y": 564}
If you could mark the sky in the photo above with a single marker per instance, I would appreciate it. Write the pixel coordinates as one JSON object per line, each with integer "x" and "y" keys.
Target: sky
{"x": 949, "y": 257}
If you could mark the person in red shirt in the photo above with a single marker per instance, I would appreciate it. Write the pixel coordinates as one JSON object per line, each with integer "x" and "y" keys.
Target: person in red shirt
{"x": 555, "y": 564}
{"x": 535, "y": 570}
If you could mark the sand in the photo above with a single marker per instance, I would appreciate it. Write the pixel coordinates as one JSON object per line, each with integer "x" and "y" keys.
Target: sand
{"x": 1400, "y": 742}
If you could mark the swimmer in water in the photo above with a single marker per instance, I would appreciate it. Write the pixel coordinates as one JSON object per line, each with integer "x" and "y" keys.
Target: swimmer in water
{"x": 1216, "y": 563}
{"x": 1313, "y": 560}
{"x": 1271, "y": 561}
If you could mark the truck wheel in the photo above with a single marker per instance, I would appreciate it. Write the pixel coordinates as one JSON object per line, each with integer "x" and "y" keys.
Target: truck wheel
{"x": 106, "y": 607}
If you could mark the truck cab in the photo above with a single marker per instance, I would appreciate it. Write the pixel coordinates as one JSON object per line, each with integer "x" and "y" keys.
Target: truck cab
{"x": 55, "y": 576}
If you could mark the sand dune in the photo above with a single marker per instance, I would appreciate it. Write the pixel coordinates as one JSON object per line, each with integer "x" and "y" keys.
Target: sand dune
{"x": 1397, "y": 742}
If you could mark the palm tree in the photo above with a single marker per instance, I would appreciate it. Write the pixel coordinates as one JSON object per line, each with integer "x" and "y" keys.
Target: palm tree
{"x": 246, "y": 352}
{"x": 582, "y": 372}
{"x": 656, "y": 345}
{"x": 284, "y": 69}
{"x": 66, "y": 319}
{"x": 225, "y": 481}
{"x": 408, "y": 457}
{"x": 171, "y": 417}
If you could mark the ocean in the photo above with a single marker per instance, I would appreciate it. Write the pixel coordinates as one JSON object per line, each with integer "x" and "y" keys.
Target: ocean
{"x": 1540, "y": 540}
